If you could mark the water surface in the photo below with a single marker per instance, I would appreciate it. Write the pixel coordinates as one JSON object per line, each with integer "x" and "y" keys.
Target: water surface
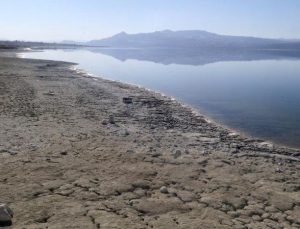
{"x": 255, "y": 92}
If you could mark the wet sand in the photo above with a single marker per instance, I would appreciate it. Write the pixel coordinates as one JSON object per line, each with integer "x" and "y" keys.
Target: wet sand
{"x": 80, "y": 152}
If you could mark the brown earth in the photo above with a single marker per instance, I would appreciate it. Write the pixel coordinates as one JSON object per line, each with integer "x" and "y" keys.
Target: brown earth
{"x": 79, "y": 152}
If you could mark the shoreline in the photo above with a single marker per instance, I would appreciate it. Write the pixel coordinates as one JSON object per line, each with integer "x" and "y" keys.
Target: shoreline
{"x": 195, "y": 110}
{"x": 83, "y": 153}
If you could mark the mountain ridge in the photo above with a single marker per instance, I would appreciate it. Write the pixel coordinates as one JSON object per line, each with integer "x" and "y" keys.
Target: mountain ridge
{"x": 187, "y": 39}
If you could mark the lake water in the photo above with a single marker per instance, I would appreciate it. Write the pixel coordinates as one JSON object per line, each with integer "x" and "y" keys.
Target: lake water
{"x": 255, "y": 92}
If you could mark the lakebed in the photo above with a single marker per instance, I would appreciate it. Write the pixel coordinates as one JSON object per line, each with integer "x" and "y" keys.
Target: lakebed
{"x": 83, "y": 152}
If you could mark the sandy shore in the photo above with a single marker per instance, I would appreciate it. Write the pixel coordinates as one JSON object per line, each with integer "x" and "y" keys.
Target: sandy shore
{"x": 79, "y": 152}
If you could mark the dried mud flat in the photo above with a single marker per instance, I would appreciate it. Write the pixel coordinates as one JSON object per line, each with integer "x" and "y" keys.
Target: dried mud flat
{"x": 78, "y": 152}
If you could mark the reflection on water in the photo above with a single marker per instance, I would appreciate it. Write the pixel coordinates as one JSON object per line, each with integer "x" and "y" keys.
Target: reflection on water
{"x": 257, "y": 92}
{"x": 197, "y": 56}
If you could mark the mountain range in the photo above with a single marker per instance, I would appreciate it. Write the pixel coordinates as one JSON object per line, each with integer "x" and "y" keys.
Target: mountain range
{"x": 188, "y": 39}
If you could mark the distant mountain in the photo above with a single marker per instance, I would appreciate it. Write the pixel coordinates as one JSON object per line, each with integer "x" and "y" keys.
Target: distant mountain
{"x": 188, "y": 39}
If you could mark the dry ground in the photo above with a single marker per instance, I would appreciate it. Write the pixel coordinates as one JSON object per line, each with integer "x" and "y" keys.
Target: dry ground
{"x": 73, "y": 154}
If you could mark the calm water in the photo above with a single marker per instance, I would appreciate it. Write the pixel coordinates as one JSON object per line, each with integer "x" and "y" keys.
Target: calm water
{"x": 257, "y": 93}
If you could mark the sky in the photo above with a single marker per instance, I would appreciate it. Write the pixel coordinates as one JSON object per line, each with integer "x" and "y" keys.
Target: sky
{"x": 57, "y": 20}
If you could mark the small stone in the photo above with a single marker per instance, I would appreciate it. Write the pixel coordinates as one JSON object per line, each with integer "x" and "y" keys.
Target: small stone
{"x": 272, "y": 224}
{"x": 278, "y": 217}
{"x": 256, "y": 218}
{"x": 282, "y": 202}
{"x": 271, "y": 209}
{"x": 177, "y": 154}
{"x": 164, "y": 190}
{"x": 141, "y": 184}
{"x": 51, "y": 93}
{"x": 104, "y": 122}
{"x": 6, "y": 214}
{"x": 266, "y": 216}
{"x": 156, "y": 154}
{"x": 243, "y": 220}
{"x": 127, "y": 100}
{"x": 233, "y": 214}
{"x": 111, "y": 119}
{"x": 236, "y": 202}
{"x": 64, "y": 153}
{"x": 130, "y": 151}
{"x": 278, "y": 170}
{"x": 202, "y": 161}
{"x": 126, "y": 132}
{"x": 226, "y": 208}
{"x": 140, "y": 192}
{"x": 227, "y": 222}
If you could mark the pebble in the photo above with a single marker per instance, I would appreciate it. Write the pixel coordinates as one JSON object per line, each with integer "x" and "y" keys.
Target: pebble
{"x": 233, "y": 214}
{"x": 111, "y": 119}
{"x": 125, "y": 132}
{"x": 177, "y": 154}
{"x": 278, "y": 170}
{"x": 271, "y": 209}
{"x": 104, "y": 122}
{"x": 127, "y": 100}
{"x": 6, "y": 214}
{"x": 266, "y": 216}
{"x": 164, "y": 190}
{"x": 256, "y": 218}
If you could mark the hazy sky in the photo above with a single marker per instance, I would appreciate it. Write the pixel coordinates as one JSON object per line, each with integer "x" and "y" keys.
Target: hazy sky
{"x": 55, "y": 20}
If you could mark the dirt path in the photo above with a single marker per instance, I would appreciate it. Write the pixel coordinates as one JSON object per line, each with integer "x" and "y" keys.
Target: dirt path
{"x": 77, "y": 152}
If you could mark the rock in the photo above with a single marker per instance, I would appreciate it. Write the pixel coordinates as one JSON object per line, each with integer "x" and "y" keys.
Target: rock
{"x": 6, "y": 214}
{"x": 211, "y": 201}
{"x": 164, "y": 190}
{"x": 209, "y": 140}
{"x": 143, "y": 184}
{"x": 156, "y": 154}
{"x": 294, "y": 216}
{"x": 272, "y": 224}
{"x": 233, "y": 214}
{"x": 104, "y": 122}
{"x": 177, "y": 154}
{"x": 282, "y": 202}
{"x": 186, "y": 196}
{"x": 140, "y": 192}
{"x": 271, "y": 209}
{"x": 202, "y": 161}
{"x": 226, "y": 208}
{"x": 50, "y": 93}
{"x": 256, "y": 218}
{"x": 236, "y": 202}
{"x": 111, "y": 119}
{"x": 255, "y": 209}
{"x": 64, "y": 153}
{"x": 127, "y": 100}
{"x": 153, "y": 206}
{"x": 243, "y": 220}
{"x": 278, "y": 217}
{"x": 130, "y": 151}
{"x": 278, "y": 170}
{"x": 266, "y": 215}
{"x": 125, "y": 132}
{"x": 227, "y": 222}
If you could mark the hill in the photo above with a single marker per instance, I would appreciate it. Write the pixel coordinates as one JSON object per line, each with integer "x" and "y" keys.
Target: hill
{"x": 189, "y": 39}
